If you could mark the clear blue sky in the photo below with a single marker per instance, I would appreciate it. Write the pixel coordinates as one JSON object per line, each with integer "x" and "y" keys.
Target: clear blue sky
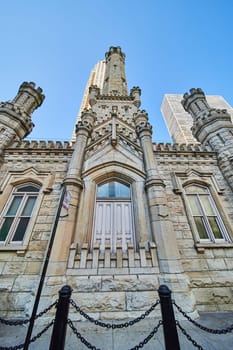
{"x": 170, "y": 46}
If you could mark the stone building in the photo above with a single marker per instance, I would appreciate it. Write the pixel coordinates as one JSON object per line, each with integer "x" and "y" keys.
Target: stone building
{"x": 136, "y": 214}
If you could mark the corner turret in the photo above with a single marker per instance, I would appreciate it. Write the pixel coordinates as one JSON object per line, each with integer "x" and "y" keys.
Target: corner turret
{"x": 15, "y": 115}
{"x": 206, "y": 120}
{"x": 212, "y": 127}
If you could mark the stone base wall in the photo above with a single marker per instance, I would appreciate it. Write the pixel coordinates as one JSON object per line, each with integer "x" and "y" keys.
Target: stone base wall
{"x": 119, "y": 296}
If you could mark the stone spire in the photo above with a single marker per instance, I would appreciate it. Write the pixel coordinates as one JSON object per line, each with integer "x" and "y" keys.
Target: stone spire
{"x": 15, "y": 115}
{"x": 115, "y": 78}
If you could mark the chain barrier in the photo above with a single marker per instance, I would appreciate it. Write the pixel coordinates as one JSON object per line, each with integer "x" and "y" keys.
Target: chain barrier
{"x": 206, "y": 329}
{"x": 37, "y": 336}
{"x": 116, "y": 325}
{"x": 22, "y": 322}
{"x": 92, "y": 347}
{"x": 189, "y": 337}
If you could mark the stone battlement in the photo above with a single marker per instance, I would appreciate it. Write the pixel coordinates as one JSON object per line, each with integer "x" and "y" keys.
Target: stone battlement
{"x": 175, "y": 147}
{"x": 42, "y": 144}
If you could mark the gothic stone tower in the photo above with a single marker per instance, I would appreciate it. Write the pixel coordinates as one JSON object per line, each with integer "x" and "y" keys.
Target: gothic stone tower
{"x": 140, "y": 214}
{"x": 113, "y": 242}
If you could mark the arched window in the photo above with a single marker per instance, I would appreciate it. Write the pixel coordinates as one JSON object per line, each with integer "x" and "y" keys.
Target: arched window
{"x": 207, "y": 219}
{"x": 17, "y": 214}
{"x": 113, "y": 222}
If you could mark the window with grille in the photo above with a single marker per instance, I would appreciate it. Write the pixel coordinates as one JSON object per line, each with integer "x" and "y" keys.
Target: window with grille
{"x": 17, "y": 213}
{"x": 113, "y": 222}
{"x": 206, "y": 217}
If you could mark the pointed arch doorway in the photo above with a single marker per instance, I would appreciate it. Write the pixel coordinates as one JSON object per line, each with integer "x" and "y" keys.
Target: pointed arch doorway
{"x": 113, "y": 220}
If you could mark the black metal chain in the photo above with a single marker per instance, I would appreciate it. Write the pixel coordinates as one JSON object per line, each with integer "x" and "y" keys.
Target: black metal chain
{"x": 148, "y": 338}
{"x": 188, "y": 336}
{"x": 22, "y": 322}
{"x": 47, "y": 309}
{"x": 92, "y": 347}
{"x": 38, "y": 335}
{"x": 116, "y": 325}
{"x": 80, "y": 337}
{"x": 206, "y": 329}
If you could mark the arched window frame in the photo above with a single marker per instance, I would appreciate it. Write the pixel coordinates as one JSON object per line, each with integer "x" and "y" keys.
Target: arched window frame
{"x": 117, "y": 200}
{"x": 23, "y": 211}
{"x": 210, "y": 236}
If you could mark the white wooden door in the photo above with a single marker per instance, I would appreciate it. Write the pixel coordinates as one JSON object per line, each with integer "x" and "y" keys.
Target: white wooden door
{"x": 113, "y": 224}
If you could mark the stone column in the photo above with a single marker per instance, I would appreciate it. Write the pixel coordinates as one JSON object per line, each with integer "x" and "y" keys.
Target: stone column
{"x": 162, "y": 229}
{"x": 212, "y": 127}
{"x": 73, "y": 183}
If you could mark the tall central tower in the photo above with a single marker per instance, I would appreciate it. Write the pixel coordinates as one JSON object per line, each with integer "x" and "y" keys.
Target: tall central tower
{"x": 115, "y": 78}
{"x": 115, "y": 186}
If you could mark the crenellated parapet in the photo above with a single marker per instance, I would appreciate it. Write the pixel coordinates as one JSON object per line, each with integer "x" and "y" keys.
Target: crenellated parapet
{"x": 29, "y": 97}
{"x": 183, "y": 147}
{"x": 195, "y": 102}
{"x": 41, "y": 145}
{"x": 115, "y": 50}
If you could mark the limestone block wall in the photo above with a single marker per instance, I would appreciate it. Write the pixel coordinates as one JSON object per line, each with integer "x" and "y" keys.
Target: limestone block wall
{"x": 208, "y": 266}
{"x": 116, "y": 286}
{"x": 20, "y": 266}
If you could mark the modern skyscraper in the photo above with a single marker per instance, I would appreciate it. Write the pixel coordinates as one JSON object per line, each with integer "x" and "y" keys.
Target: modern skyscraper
{"x": 179, "y": 122}
{"x": 96, "y": 78}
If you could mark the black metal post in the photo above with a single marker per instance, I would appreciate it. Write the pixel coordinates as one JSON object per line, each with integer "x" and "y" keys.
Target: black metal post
{"x": 169, "y": 324}
{"x": 59, "y": 329}
{"x": 43, "y": 273}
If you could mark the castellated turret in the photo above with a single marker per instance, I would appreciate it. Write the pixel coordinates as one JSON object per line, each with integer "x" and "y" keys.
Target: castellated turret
{"x": 212, "y": 127}
{"x": 15, "y": 115}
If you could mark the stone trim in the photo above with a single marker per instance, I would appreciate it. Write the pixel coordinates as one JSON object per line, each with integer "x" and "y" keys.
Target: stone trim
{"x": 202, "y": 246}
{"x": 83, "y": 262}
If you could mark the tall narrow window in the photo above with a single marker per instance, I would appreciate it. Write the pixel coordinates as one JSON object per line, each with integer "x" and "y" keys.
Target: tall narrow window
{"x": 17, "y": 214}
{"x": 113, "y": 216}
{"x": 207, "y": 219}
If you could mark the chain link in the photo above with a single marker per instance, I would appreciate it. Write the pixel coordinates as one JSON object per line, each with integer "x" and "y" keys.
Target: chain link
{"x": 148, "y": 338}
{"x": 80, "y": 337}
{"x": 116, "y": 325}
{"x": 47, "y": 309}
{"x": 92, "y": 347}
{"x": 206, "y": 329}
{"x": 188, "y": 336}
{"x": 22, "y": 322}
{"x": 37, "y": 336}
